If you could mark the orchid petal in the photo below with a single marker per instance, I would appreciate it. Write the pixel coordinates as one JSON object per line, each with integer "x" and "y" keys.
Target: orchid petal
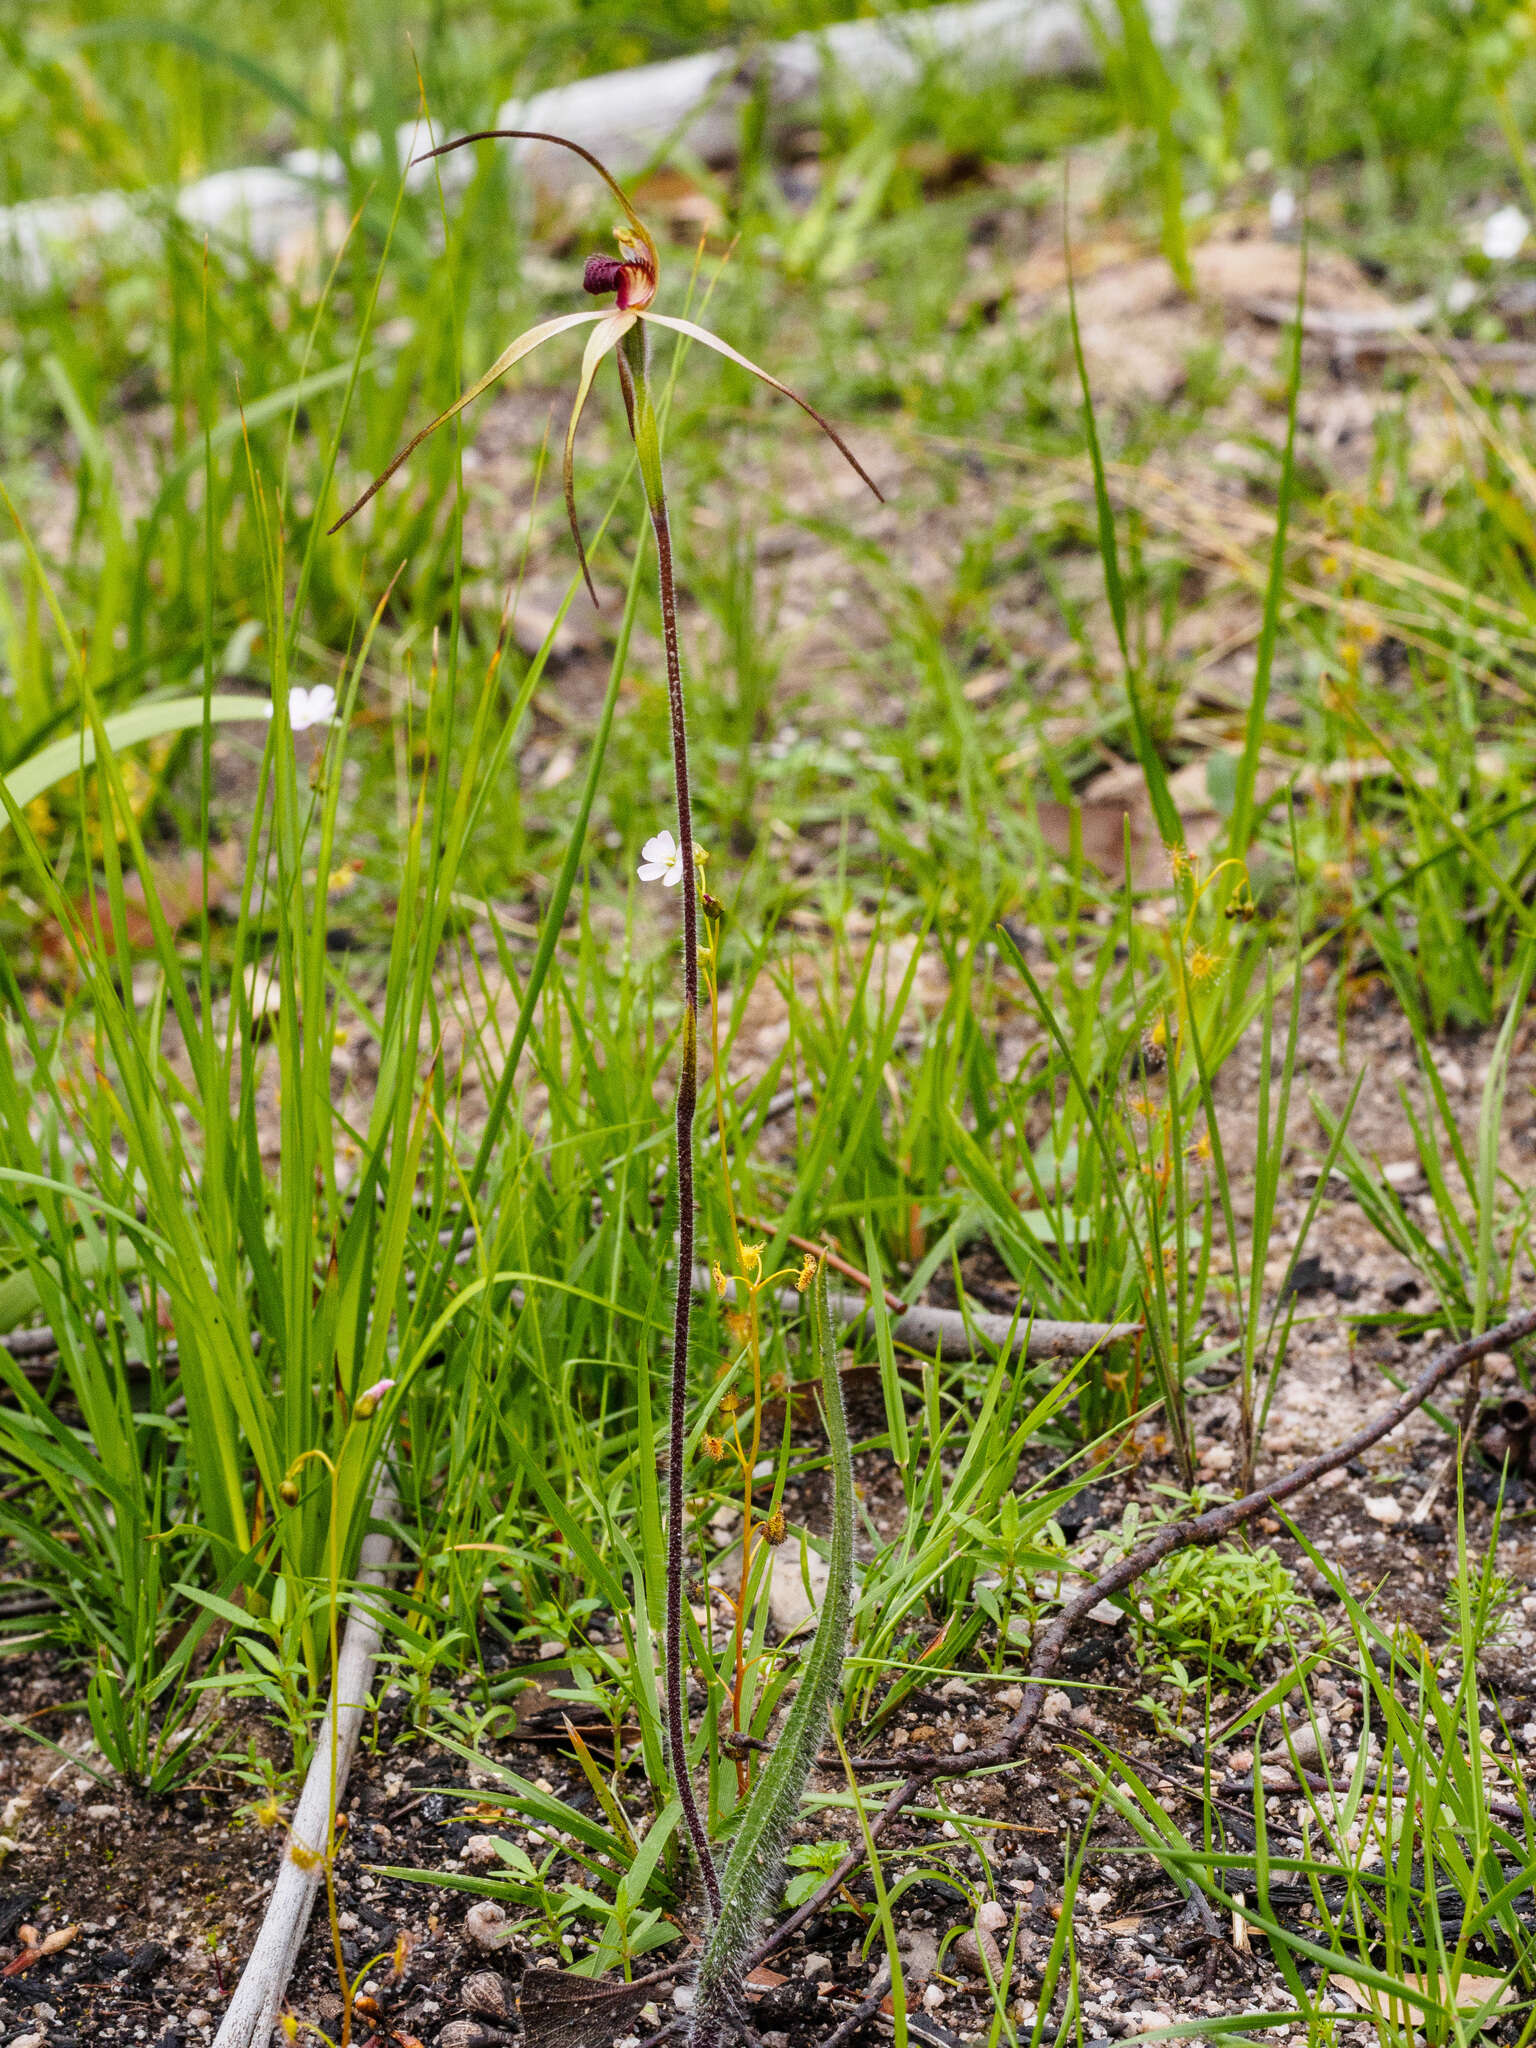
{"x": 610, "y": 331}
{"x": 524, "y": 345}
{"x": 723, "y": 348}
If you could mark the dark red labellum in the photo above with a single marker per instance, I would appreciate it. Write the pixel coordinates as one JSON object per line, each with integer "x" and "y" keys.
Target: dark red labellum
{"x": 603, "y": 274}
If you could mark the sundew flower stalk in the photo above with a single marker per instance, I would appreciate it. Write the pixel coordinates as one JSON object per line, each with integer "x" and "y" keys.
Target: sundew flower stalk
{"x": 624, "y": 331}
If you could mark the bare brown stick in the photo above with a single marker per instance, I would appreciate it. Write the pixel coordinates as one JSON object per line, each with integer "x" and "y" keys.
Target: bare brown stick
{"x": 1203, "y": 1529}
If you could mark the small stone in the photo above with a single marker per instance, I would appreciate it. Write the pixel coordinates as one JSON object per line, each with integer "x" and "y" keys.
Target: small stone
{"x": 264, "y": 991}
{"x": 479, "y": 1849}
{"x": 1383, "y": 1508}
{"x": 1305, "y": 1743}
{"x": 954, "y": 1689}
{"x": 1010, "y": 1696}
{"x": 979, "y": 1954}
{"x": 347, "y": 1922}
{"x": 682, "y": 1997}
{"x": 199, "y": 2016}
{"x": 486, "y": 1924}
{"x": 551, "y": 1649}
{"x": 991, "y": 1916}
{"x": 489, "y": 1994}
{"x": 959, "y": 1744}
{"x": 814, "y": 1968}
{"x": 104, "y": 1812}
{"x": 30, "y": 2041}
{"x": 919, "y": 1948}
{"x": 933, "y": 1997}
{"x": 1401, "y": 1173}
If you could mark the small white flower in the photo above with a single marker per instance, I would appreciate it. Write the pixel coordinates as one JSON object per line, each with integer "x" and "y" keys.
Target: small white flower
{"x": 1504, "y": 234}
{"x": 1282, "y": 209}
{"x": 661, "y": 861}
{"x": 311, "y": 707}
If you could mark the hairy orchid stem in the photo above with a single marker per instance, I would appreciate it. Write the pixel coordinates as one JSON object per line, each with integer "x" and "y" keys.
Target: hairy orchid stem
{"x": 642, "y": 420}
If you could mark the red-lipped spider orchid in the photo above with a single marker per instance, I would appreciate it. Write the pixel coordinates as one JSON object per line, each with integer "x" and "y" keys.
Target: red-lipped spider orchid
{"x": 623, "y": 330}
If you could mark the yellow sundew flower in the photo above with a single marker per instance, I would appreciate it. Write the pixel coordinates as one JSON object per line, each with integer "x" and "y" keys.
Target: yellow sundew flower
{"x": 714, "y": 1447}
{"x": 1204, "y": 965}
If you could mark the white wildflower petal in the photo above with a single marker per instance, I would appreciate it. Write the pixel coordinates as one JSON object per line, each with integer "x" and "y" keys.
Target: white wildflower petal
{"x": 311, "y": 707}
{"x": 661, "y": 861}
{"x": 1504, "y": 234}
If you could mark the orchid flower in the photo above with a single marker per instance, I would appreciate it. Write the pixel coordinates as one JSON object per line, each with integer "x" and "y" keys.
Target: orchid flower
{"x": 633, "y": 276}
{"x": 623, "y": 330}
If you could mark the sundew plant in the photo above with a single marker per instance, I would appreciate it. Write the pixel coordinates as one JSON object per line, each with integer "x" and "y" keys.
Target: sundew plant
{"x": 737, "y": 1897}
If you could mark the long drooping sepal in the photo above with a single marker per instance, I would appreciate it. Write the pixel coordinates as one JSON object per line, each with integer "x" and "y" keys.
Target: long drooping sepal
{"x": 642, "y": 418}
{"x": 723, "y": 348}
{"x": 638, "y": 235}
{"x": 606, "y": 336}
{"x": 525, "y": 344}
{"x": 750, "y": 1880}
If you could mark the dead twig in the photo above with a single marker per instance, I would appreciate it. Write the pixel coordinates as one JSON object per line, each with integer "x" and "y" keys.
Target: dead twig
{"x": 1202, "y": 1530}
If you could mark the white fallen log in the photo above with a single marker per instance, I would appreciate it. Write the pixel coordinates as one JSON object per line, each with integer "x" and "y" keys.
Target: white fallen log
{"x": 629, "y": 118}
{"x": 950, "y": 1334}
{"x": 252, "y": 2013}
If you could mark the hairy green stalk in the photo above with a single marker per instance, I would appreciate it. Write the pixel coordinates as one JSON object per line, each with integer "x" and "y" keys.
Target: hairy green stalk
{"x": 749, "y": 1884}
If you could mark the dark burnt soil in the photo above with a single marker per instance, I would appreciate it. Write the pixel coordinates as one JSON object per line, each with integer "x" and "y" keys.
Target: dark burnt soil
{"x": 166, "y": 1897}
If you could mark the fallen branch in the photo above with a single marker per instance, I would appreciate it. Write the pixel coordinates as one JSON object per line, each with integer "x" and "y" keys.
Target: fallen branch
{"x": 252, "y": 2012}
{"x": 1202, "y": 1530}
{"x": 951, "y": 1333}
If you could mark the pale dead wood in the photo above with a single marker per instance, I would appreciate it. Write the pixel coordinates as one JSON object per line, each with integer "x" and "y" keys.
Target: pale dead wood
{"x": 253, "y": 2010}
